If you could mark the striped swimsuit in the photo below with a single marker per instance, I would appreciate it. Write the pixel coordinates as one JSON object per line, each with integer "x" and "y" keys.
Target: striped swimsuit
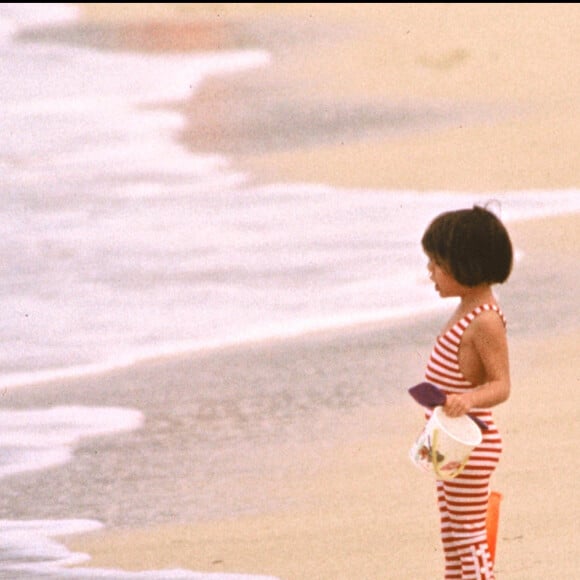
{"x": 463, "y": 500}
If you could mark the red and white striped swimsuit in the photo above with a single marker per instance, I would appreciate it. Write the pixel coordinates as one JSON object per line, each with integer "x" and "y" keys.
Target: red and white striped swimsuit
{"x": 463, "y": 500}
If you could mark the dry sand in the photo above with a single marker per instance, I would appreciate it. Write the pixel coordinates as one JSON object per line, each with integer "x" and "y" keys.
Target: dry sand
{"x": 509, "y": 75}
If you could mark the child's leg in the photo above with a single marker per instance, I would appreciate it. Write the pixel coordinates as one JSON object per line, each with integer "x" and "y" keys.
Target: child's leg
{"x": 452, "y": 561}
{"x": 467, "y": 507}
{"x": 466, "y": 499}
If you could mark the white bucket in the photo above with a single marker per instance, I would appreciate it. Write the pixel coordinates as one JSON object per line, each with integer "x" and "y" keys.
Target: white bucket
{"x": 444, "y": 445}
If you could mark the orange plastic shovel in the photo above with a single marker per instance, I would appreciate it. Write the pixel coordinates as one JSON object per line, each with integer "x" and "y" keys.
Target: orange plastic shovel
{"x": 492, "y": 521}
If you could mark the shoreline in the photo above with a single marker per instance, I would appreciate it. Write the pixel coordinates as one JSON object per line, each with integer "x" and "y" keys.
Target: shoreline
{"x": 553, "y": 225}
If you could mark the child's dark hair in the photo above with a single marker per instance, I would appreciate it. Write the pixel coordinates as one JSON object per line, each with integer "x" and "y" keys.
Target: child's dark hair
{"x": 472, "y": 244}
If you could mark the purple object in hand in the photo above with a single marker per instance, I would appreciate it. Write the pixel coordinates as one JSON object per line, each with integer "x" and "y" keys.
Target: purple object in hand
{"x": 428, "y": 395}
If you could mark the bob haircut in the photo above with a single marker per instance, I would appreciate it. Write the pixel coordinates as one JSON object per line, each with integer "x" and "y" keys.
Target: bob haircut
{"x": 472, "y": 244}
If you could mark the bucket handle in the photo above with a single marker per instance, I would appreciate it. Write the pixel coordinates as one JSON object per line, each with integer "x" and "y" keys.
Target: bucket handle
{"x": 451, "y": 475}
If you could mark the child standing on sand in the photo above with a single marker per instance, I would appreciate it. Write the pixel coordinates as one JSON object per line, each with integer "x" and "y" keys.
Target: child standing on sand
{"x": 469, "y": 251}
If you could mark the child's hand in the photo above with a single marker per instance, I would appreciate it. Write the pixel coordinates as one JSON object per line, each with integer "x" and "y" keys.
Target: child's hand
{"x": 457, "y": 405}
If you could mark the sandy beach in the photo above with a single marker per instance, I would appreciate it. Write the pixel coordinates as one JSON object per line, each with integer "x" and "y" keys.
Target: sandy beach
{"x": 487, "y": 97}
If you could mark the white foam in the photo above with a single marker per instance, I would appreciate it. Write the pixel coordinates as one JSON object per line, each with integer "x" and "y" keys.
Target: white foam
{"x": 531, "y": 204}
{"x": 30, "y": 547}
{"x": 137, "y": 81}
{"x": 36, "y": 439}
{"x": 7, "y": 30}
{"x": 21, "y": 16}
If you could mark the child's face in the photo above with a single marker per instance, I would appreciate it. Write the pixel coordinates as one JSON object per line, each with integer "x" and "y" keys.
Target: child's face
{"x": 444, "y": 281}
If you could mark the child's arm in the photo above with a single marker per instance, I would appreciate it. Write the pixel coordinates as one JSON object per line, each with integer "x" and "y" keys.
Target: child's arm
{"x": 488, "y": 341}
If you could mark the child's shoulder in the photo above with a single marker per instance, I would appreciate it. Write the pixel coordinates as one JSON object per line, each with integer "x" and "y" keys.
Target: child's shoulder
{"x": 489, "y": 311}
{"x": 489, "y": 324}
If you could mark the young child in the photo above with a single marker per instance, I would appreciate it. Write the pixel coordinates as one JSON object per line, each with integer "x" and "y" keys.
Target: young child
{"x": 469, "y": 251}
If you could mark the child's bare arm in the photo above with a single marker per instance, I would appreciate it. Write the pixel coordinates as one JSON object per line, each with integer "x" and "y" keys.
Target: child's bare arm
{"x": 488, "y": 340}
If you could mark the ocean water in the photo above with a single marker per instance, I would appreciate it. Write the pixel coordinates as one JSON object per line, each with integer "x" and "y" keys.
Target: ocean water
{"x": 120, "y": 245}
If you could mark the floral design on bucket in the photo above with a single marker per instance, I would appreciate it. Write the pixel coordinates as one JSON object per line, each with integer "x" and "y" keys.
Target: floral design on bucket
{"x": 426, "y": 452}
